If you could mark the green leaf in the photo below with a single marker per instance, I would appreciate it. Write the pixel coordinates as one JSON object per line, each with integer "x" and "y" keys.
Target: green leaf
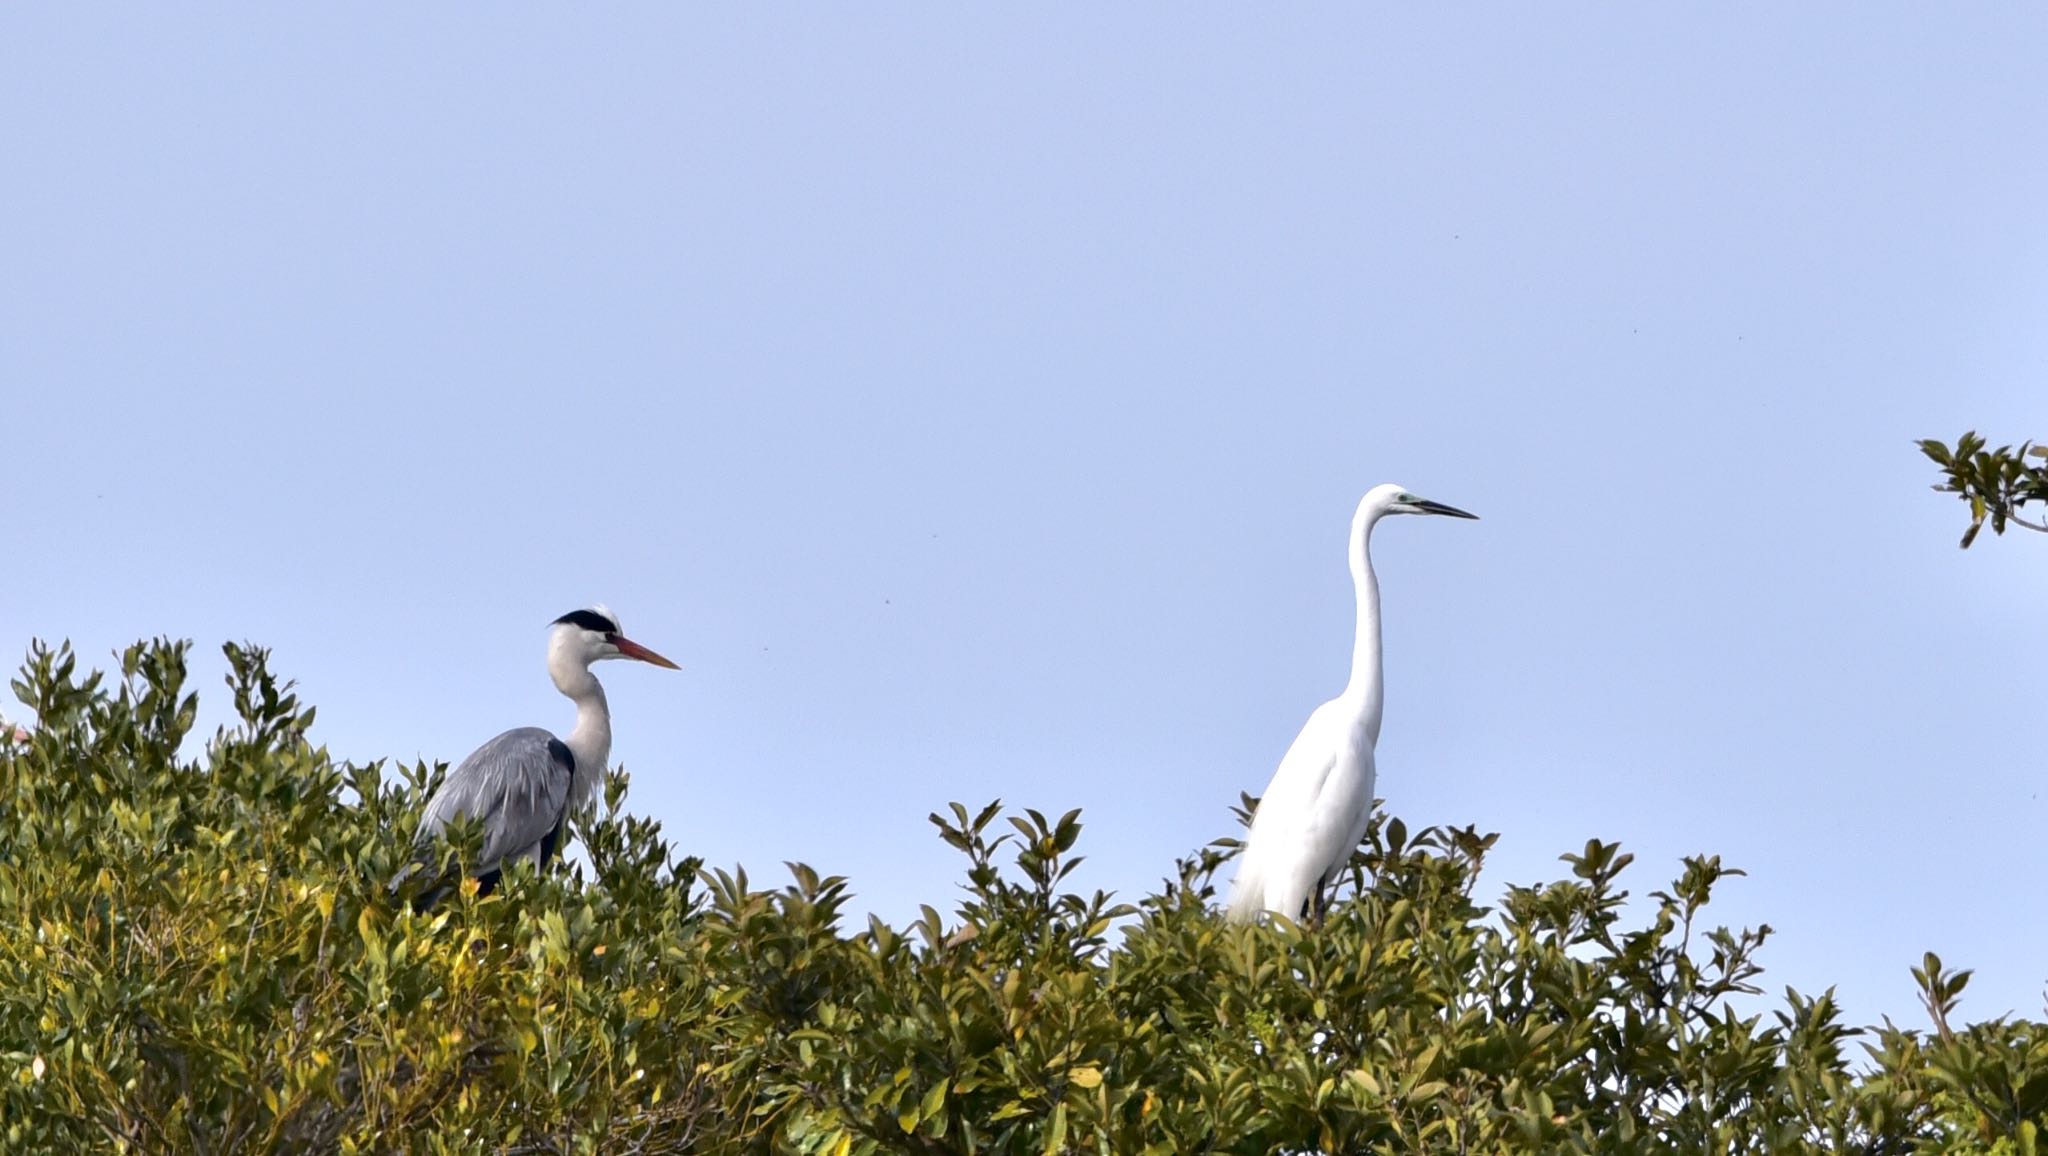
{"x": 1056, "y": 1131}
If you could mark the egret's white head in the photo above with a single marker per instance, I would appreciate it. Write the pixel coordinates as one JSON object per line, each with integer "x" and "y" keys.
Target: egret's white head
{"x": 1393, "y": 499}
{"x": 593, "y": 635}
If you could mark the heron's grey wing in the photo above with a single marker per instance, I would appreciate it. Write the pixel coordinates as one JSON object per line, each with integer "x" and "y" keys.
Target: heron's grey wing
{"x": 516, "y": 786}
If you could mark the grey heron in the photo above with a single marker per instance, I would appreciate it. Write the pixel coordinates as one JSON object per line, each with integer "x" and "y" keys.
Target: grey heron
{"x": 1316, "y": 808}
{"x": 522, "y": 786}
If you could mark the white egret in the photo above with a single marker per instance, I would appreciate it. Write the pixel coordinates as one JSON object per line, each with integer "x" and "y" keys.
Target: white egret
{"x": 1315, "y": 810}
{"x": 522, "y": 786}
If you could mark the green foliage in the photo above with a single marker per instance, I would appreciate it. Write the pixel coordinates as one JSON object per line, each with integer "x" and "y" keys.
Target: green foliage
{"x": 205, "y": 958}
{"x": 1995, "y": 483}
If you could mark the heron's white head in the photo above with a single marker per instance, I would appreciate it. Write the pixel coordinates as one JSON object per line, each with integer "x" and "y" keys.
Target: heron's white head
{"x": 1392, "y": 499}
{"x": 582, "y": 637}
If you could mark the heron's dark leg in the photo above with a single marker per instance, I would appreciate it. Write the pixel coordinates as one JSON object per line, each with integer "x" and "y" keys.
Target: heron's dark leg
{"x": 549, "y": 842}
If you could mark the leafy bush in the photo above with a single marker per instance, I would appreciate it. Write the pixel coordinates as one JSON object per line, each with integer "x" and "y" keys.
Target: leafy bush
{"x": 1997, "y": 484}
{"x": 204, "y": 958}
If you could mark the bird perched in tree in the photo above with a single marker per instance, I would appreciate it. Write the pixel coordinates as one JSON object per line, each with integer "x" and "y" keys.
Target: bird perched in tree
{"x": 1315, "y": 810}
{"x": 522, "y": 786}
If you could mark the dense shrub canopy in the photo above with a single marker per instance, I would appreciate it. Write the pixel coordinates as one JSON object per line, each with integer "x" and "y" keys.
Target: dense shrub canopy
{"x": 202, "y": 956}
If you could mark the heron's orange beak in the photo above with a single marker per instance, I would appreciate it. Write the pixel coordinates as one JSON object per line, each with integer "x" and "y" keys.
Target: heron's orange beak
{"x": 632, "y": 649}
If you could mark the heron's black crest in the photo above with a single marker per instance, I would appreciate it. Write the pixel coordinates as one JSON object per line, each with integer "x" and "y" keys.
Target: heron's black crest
{"x": 588, "y": 620}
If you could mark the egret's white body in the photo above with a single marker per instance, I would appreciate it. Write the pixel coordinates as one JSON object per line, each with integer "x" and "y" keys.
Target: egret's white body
{"x": 522, "y": 786}
{"x": 1316, "y": 808}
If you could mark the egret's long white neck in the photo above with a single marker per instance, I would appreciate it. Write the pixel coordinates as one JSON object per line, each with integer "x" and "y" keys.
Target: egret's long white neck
{"x": 591, "y": 739}
{"x": 1365, "y": 686}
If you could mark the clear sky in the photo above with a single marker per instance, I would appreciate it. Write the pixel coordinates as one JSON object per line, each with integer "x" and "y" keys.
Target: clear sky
{"x": 974, "y": 400}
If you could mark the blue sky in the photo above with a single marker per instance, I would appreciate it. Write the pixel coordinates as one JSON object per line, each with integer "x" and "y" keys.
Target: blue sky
{"x": 974, "y": 401}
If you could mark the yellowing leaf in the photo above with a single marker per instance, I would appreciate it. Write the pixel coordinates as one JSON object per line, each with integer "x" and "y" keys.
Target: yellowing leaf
{"x": 934, "y": 1101}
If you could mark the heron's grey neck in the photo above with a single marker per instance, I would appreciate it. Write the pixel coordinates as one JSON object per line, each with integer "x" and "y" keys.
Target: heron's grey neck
{"x": 1364, "y": 687}
{"x": 590, "y": 741}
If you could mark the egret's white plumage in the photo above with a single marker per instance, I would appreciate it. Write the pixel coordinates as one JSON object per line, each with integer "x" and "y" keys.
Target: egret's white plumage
{"x": 522, "y": 785}
{"x": 1316, "y": 808}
